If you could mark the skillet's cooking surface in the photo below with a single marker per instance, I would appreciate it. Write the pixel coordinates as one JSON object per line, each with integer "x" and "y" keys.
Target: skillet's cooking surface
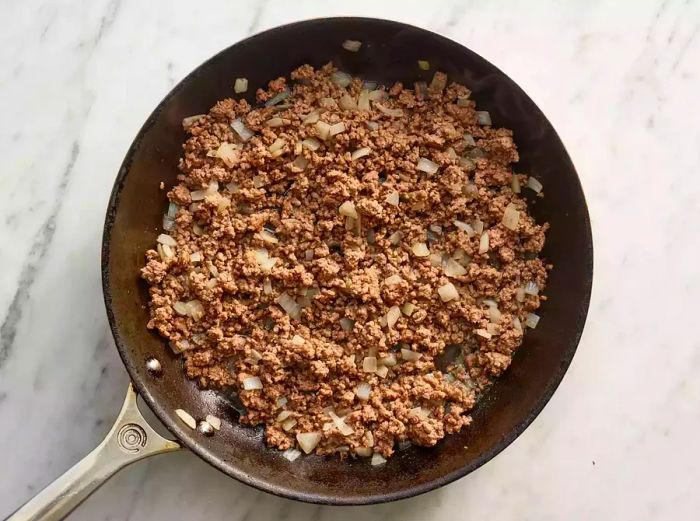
{"x": 389, "y": 53}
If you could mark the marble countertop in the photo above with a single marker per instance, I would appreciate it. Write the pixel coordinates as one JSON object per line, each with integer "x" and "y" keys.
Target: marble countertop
{"x": 619, "y": 440}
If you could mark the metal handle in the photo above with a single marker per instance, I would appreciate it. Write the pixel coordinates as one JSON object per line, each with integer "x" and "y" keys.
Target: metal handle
{"x": 130, "y": 439}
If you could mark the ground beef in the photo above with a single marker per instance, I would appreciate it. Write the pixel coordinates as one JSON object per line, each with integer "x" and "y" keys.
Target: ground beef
{"x": 290, "y": 266}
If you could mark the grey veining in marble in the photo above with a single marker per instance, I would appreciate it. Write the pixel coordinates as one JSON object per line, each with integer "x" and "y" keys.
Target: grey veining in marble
{"x": 619, "y": 81}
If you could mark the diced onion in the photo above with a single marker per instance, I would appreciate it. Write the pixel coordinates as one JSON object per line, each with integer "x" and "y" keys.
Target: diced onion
{"x": 427, "y": 166}
{"x": 421, "y": 89}
{"x": 483, "y": 117}
{"x": 186, "y": 418}
{"x": 363, "y": 101}
{"x": 362, "y": 391}
{"x": 389, "y": 360}
{"x": 300, "y": 162}
{"x": 420, "y": 411}
{"x": 347, "y": 102}
{"x": 228, "y": 153}
{"x": 166, "y": 239}
{"x": 348, "y": 210}
{"x": 393, "y": 280}
{"x": 168, "y": 223}
{"x": 323, "y": 129}
{"x": 308, "y": 440}
{"x": 438, "y": 82}
{"x": 277, "y": 145}
{"x": 478, "y": 226}
{"x": 352, "y": 45}
{"x": 267, "y": 287}
{"x": 196, "y": 257}
{"x": 311, "y": 117}
{"x": 341, "y": 79}
{"x": 511, "y": 217}
{"x": 214, "y": 422}
{"x": 377, "y": 459}
{"x": 436, "y": 259}
{"x": 531, "y": 288}
{"x": 291, "y": 454}
{"x": 483, "y": 333}
{"x": 298, "y": 340}
{"x": 233, "y": 188}
{"x": 389, "y": 112}
{"x": 392, "y": 316}
{"x": 268, "y": 237}
{"x": 180, "y": 346}
{"x": 363, "y": 452}
{"x": 311, "y": 143}
{"x": 186, "y": 122}
{"x": 463, "y": 101}
{"x": 372, "y": 125}
{"x": 281, "y": 401}
{"x": 288, "y": 424}
{"x": 337, "y": 128}
{"x": 252, "y": 383}
{"x": 420, "y": 249}
{"x": 408, "y": 308}
{"x": 520, "y": 294}
{"x": 274, "y": 122}
{"x": 289, "y": 305}
{"x": 369, "y": 364}
{"x": 347, "y": 324}
{"x": 181, "y": 308}
{"x": 340, "y": 424}
{"x": 424, "y": 64}
{"x": 278, "y": 98}
{"x": 534, "y": 184}
{"x": 531, "y": 320}
{"x": 264, "y": 260}
{"x": 309, "y": 255}
{"x": 378, "y": 95}
{"x": 382, "y": 371}
{"x": 328, "y": 103}
{"x": 395, "y": 238}
{"x": 360, "y": 152}
{"x": 393, "y": 198}
{"x": 484, "y": 242}
{"x": 410, "y": 356}
{"x": 494, "y": 314}
{"x": 448, "y": 292}
{"x": 515, "y": 184}
{"x": 241, "y": 85}
{"x": 517, "y": 325}
{"x": 465, "y": 227}
{"x": 454, "y": 269}
{"x": 243, "y": 132}
{"x": 195, "y": 309}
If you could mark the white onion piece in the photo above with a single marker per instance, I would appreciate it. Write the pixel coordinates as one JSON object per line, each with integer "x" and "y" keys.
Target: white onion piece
{"x": 166, "y": 239}
{"x": 283, "y": 415}
{"x": 461, "y": 256}
{"x": 181, "y": 308}
{"x": 395, "y": 238}
{"x": 362, "y": 391}
{"x": 363, "y": 452}
{"x": 243, "y": 132}
{"x": 186, "y": 122}
{"x": 454, "y": 269}
{"x": 254, "y": 357}
{"x": 534, "y": 184}
{"x": 276, "y": 145}
{"x": 278, "y": 98}
{"x": 341, "y": 79}
{"x": 420, "y": 249}
{"x": 483, "y": 117}
{"x": 308, "y": 440}
{"x": 291, "y": 454}
{"x": 347, "y": 102}
{"x": 300, "y": 162}
{"x": 392, "y": 316}
{"x": 377, "y": 459}
{"x": 382, "y": 371}
{"x": 420, "y": 411}
{"x": 360, "y": 152}
{"x": 393, "y": 198}
{"x": 328, "y": 103}
{"x": 268, "y": 237}
{"x": 180, "y": 346}
{"x": 241, "y": 85}
{"x": 426, "y": 165}
{"x": 337, "y": 128}
{"x": 289, "y": 305}
{"x": 478, "y": 226}
{"x": 436, "y": 259}
{"x": 372, "y": 125}
{"x": 369, "y": 364}
{"x": 168, "y": 223}
{"x": 484, "y": 242}
{"x": 438, "y": 82}
{"x": 465, "y": 227}
{"x": 448, "y": 292}
{"x": 288, "y": 424}
{"x": 267, "y": 287}
{"x": 264, "y": 260}
{"x": 348, "y": 210}
{"x": 340, "y": 424}
{"x": 387, "y": 111}
{"x": 298, "y": 340}
{"x": 520, "y": 294}
{"x": 531, "y": 288}
{"x": 311, "y": 117}
{"x": 311, "y": 143}
{"x": 410, "y": 356}
{"x": 213, "y": 421}
{"x": 252, "y": 383}
{"x": 389, "y": 360}
{"x": 531, "y": 320}
{"x": 408, "y": 308}
{"x": 352, "y": 45}
{"x": 309, "y": 255}
{"x": 363, "y": 101}
{"x": 196, "y": 257}
{"x": 347, "y": 324}
{"x": 233, "y": 188}
{"x": 274, "y": 122}
{"x": 195, "y": 309}
{"x": 483, "y": 333}
{"x": 511, "y": 217}
{"x": 515, "y": 184}
{"x": 323, "y": 129}
{"x": 186, "y": 418}
{"x": 494, "y": 314}
{"x": 378, "y": 95}
{"x": 492, "y": 328}
{"x": 281, "y": 401}
{"x": 393, "y": 280}
{"x": 517, "y": 325}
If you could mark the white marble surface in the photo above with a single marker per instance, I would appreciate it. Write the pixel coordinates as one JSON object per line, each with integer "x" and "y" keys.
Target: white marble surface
{"x": 619, "y": 440}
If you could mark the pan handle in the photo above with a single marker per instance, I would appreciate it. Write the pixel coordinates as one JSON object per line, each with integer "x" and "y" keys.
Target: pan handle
{"x": 130, "y": 439}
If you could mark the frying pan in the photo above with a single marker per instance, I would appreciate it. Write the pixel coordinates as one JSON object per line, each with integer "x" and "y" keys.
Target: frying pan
{"x": 389, "y": 53}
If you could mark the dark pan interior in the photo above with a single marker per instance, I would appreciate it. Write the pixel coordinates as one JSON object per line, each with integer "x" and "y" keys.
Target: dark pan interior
{"x": 389, "y": 53}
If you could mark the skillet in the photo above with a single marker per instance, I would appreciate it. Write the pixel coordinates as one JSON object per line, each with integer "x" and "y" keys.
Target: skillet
{"x": 389, "y": 53}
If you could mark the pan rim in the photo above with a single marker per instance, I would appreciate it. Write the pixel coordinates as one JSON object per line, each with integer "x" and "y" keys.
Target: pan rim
{"x": 288, "y": 492}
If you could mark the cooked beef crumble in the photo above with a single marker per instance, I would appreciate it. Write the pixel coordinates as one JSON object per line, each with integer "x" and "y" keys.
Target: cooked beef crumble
{"x": 324, "y": 252}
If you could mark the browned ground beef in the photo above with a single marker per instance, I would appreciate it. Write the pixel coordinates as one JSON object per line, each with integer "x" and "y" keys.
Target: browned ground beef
{"x": 260, "y": 219}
